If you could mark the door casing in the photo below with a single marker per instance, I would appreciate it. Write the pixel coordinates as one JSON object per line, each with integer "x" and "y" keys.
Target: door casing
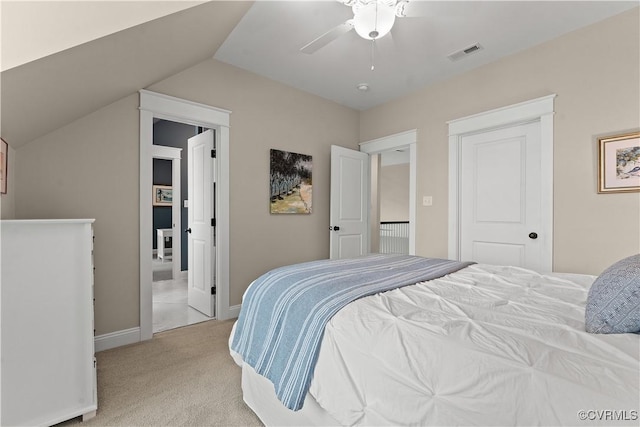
{"x": 402, "y": 140}
{"x": 156, "y": 105}
{"x": 541, "y": 109}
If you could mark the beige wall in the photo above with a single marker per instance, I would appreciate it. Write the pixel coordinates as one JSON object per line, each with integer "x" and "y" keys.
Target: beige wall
{"x": 7, "y": 201}
{"x": 595, "y": 73}
{"x": 90, "y": 168}
{"x": 266, "y": 114}
{"x": 394, "y": 192}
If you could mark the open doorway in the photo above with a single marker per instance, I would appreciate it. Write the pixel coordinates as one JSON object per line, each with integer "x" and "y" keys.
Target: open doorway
{"x": 170, "y": 206}
{"x": 155, "y": 106}
{"x": 393, "y": 202}
{"x": 392, "y": 213}
{"x": 162, "y": 234}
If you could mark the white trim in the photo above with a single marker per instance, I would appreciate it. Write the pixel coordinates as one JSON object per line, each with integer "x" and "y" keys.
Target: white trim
{"x": 396, "y": 141}
{"x": 541, "y": 109}
{"x": 516, "y": 113}
{"x": 174, "y": 154}
{"x": 171, "y": 108}
{"x": 454, "y": 190}
{"x": 167, "y": 107}
{"x": 222, "y": 224}
{"x": 234, "y": 311}
{"x": 546, "y": 185}
{"x": 166, "y": 153}
{"x": 391, "y": 142}
{"x": 116, "y": 339}
{"x": 413, "y": 170}
{"x": 49, "y": 221}
{"x": 146, "y": 224}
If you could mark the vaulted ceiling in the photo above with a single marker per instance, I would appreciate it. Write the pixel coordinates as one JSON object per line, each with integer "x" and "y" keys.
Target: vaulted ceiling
{"x": 105, "y": 54}
{"x": 47, "y": 93}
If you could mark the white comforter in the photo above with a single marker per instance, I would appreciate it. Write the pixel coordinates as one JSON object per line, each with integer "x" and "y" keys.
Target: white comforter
{"x": 484, "y": 346}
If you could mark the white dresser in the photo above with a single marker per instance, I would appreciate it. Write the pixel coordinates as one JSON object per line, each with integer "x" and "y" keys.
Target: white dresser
{"x": 48, "y": 369}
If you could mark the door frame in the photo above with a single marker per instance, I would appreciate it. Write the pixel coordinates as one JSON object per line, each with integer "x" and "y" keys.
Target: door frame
{"x": 539, "y": 109}
{"x": 156, "y": 105}
{"x": 398, "y": 141}
{"x": 174, "y": 155}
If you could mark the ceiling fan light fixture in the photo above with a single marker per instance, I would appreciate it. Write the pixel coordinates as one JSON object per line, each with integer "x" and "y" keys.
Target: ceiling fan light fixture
{"x": 373, "y": 19}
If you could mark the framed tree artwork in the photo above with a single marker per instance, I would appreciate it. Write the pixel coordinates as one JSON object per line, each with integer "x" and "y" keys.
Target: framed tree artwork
{"x": 290, "y": 183}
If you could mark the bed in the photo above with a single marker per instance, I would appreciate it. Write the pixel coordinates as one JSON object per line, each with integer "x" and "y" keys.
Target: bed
{"x": 478, "y": 345}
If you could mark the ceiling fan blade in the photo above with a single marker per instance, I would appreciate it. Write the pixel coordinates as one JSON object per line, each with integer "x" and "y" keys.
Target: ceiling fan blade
{"x": 412, "y": 8}
{"x": 328, "y": 37}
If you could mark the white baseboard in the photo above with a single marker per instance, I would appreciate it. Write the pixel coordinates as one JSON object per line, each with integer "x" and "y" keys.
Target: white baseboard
{"x": 132, "y": 335}
{"x": 234, "y": 311}
{"x": 117, "y": 339}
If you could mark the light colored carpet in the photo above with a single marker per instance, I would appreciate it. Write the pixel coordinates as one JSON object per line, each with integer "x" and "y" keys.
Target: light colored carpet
{"x": 182, "y": 377}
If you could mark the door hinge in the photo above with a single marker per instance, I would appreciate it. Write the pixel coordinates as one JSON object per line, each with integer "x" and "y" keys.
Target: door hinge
{"x": 213, "y": 222}
{"x": 213, "y": 154}
{"x": 213, "y": 290}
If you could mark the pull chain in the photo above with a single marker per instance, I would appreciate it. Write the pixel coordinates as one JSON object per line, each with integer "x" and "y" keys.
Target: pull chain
{"x": 373, "y": 40}
{"x": 373, "y": 50}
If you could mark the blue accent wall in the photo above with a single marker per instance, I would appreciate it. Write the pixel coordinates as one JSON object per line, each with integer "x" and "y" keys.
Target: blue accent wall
{"x": 161, "y": 214}
{"x": 173, "y": 134}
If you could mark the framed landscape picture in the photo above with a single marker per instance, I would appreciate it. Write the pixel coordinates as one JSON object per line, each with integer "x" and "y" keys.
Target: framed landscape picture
{"x": 290, "y": 183}
{"x": 619, "y": 163}
{"x": 162, "y": 195}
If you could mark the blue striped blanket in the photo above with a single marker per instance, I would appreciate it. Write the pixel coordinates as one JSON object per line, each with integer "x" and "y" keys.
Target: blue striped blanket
{"x": 284, "y": 311}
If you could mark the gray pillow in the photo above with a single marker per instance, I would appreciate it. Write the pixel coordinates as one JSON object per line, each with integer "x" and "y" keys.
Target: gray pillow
{"x": 613, "y": 304}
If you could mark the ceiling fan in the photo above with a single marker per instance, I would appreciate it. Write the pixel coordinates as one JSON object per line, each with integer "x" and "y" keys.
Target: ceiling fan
{"x": 372, "y": 20}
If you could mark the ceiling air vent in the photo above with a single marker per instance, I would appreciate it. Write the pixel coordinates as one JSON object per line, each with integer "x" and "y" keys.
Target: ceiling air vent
{"x": 462, "y": 53}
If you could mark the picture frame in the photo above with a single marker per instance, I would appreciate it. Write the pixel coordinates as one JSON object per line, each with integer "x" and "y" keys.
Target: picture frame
{"x": 4, "y": 155}
{"x": 290, "y": 183}
{"x": 162, "y": 195}
{"x": 619, "y": 163}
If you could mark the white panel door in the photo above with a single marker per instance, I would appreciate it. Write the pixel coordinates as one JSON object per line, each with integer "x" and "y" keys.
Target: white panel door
{"x": 201, "y": 231}
{"x": 501, "y": 197}
{"x": 349, "y": 227}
